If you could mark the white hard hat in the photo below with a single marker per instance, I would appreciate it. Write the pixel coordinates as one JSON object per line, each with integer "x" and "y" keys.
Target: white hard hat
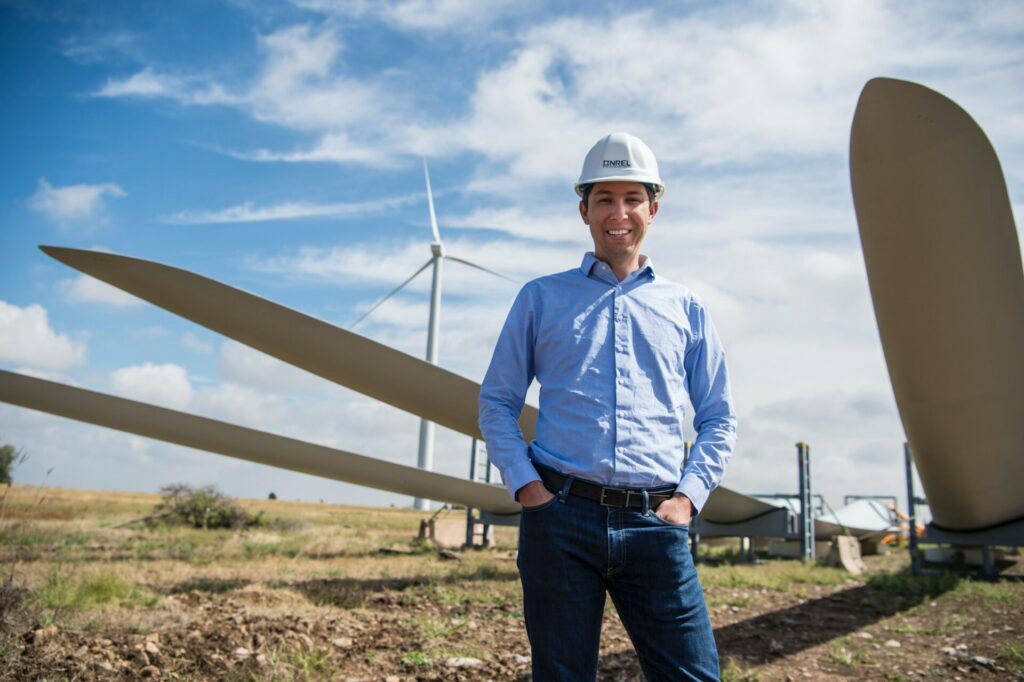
{"x": 621, "y": 156}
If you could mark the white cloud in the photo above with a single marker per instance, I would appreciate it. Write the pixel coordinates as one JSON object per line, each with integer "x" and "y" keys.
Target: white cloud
{"x": 518, "y": 260}
{"x": 560, "y": 222}
{"x": 241, "y": 404}
{"x": 297, "y": 87}
{"x": 154, "y": 331}
{"x": 245, "y": 366}
{"x": 413, "y": 15}
{"x": 86, "y": 289}
{"x": 96, "y": 48}
{"x": 714, "y": 86}
{"x": 27, "y": 338}
{"x": 71, "y": 203}
{"x": 248, "y": 212}
{"x": 719, "y": 86}
{"x": 167, "y": 385}
{"x": 145, "y": 83}
{"x": 331, "y": 148}
{"x": 444, "y": 14}
{"x": 196, "y": 344}
{"x": 340, "y": 264}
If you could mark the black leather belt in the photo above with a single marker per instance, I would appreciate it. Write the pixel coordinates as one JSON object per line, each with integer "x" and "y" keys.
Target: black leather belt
{"x": 632, "y": 498}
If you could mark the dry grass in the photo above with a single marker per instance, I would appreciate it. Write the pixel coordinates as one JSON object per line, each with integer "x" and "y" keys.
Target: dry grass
{"x": 316, "y": 576}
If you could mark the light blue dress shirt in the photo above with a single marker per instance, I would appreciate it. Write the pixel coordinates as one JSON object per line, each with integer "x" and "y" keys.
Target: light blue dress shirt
{"x": 615, "y": 362}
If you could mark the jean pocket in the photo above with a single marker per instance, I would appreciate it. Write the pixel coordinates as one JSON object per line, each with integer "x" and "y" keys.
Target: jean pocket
{"x": 662, "y": 522}
{"x": 541, "y": 507}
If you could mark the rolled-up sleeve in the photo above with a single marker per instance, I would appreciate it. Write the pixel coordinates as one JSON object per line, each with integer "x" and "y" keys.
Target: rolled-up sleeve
{"x": 714, "y": 418}
{"x": 503, "y": 394}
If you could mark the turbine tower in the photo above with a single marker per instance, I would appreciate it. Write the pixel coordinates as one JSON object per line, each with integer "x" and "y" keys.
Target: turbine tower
{"x": 425, "y": 456}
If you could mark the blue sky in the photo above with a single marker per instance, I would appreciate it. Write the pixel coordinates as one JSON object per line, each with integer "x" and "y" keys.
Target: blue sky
{"x": 277, "y": 147}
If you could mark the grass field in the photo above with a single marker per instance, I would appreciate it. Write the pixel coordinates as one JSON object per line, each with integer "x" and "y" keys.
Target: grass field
{"x": 335, "y": 592}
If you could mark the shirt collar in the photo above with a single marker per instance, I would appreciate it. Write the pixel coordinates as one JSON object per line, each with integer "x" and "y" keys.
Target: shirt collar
{"x": 589, "y": 261}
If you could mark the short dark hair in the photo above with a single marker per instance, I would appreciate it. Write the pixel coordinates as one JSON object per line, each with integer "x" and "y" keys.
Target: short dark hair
{"x": 587, "y": 189}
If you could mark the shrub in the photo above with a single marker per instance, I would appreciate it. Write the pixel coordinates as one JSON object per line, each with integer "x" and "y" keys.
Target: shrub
{"x": 9, "y": 456}
{"x": 204, "y": 507}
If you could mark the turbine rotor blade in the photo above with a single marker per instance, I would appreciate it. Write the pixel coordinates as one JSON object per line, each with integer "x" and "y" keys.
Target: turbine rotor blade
{"x": 430, "y": 203}
{"x": 390, "y": 294}
{"x": 336, "y": 354}
{"x": 252, "y": 445}
{"x": 724, "y": 506}
{"x": 480, "y": 267}
{"x": 944, "y": 268}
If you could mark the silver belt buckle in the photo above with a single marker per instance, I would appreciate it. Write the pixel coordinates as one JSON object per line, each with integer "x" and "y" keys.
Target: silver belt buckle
{"x": 605, "y": 491}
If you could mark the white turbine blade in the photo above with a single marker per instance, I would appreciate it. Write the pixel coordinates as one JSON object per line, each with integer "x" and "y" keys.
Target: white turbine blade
{"x": 430, "y": 203}
{"x": 480, "y": 267}
{"x": 211, "y": 435}
{"x": 944, "y": 266}
{"x": 390, "y": 294}
{"x": 338, "y": 355}
{"x": 330, "y": 352}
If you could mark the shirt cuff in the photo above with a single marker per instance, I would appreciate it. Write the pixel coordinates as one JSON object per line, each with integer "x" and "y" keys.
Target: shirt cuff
{"x": 518, "y": 475}
{"x": 694, "y": 488}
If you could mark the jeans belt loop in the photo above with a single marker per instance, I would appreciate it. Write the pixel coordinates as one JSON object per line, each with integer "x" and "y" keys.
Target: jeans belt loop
{"x": 566, "y": 487}
{"x": 647, "y": 501}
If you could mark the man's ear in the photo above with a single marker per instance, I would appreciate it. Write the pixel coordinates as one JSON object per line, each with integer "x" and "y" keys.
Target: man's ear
{"x": 584, "y": 214}
{"x": 654, "y": 210}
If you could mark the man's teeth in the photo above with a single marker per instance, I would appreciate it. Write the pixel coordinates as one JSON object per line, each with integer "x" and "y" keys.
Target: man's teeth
{"x": 616, "y": 233}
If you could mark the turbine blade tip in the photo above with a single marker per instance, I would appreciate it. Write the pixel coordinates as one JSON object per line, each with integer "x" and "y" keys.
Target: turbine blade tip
{"x": 56, "y": 252}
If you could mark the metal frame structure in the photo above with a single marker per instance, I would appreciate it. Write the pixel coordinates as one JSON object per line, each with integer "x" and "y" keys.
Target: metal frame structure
{"x": 1009, "y": 534}
{"x": 483, "y": 519}
{"x": 781, "y": 522}
{"x": 847, "y": 499}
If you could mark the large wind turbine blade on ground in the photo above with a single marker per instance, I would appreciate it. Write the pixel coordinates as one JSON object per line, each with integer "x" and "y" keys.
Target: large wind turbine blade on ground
{"x": 330, "y": 352}
{"x": 480, "y": 267}
{"x": 944, "y": 267}
{"x": 211, "y": 435}
{"x": 724, "y": 506}
{"x": 391, "y": 293}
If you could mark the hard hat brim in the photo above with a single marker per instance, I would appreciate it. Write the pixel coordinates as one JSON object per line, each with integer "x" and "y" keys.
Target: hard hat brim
{"x": 659, "y": 189}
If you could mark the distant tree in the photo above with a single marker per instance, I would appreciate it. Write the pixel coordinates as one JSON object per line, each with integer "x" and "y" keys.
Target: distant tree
{"x": 271, "y": 496}
{"x": 9, "y": 455}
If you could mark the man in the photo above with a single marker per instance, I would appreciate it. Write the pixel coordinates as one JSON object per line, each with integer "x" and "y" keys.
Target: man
{"x": 606, "y": 494}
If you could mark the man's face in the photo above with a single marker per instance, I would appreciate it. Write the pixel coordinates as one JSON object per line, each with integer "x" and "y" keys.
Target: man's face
{"x": 618, "y": 214}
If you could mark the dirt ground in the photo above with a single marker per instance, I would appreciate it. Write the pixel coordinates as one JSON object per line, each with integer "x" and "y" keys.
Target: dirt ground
{"x": 345, "y": 593}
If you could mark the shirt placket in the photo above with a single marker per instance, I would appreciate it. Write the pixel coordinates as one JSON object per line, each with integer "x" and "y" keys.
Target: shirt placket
{"x": 623, "y": 392}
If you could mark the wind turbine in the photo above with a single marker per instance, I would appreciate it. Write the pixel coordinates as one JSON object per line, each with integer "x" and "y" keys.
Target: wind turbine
{"x": 425, "y": 456}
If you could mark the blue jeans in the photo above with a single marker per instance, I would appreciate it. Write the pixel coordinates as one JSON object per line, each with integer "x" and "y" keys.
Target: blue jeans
{"x": 572, "y": 551}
